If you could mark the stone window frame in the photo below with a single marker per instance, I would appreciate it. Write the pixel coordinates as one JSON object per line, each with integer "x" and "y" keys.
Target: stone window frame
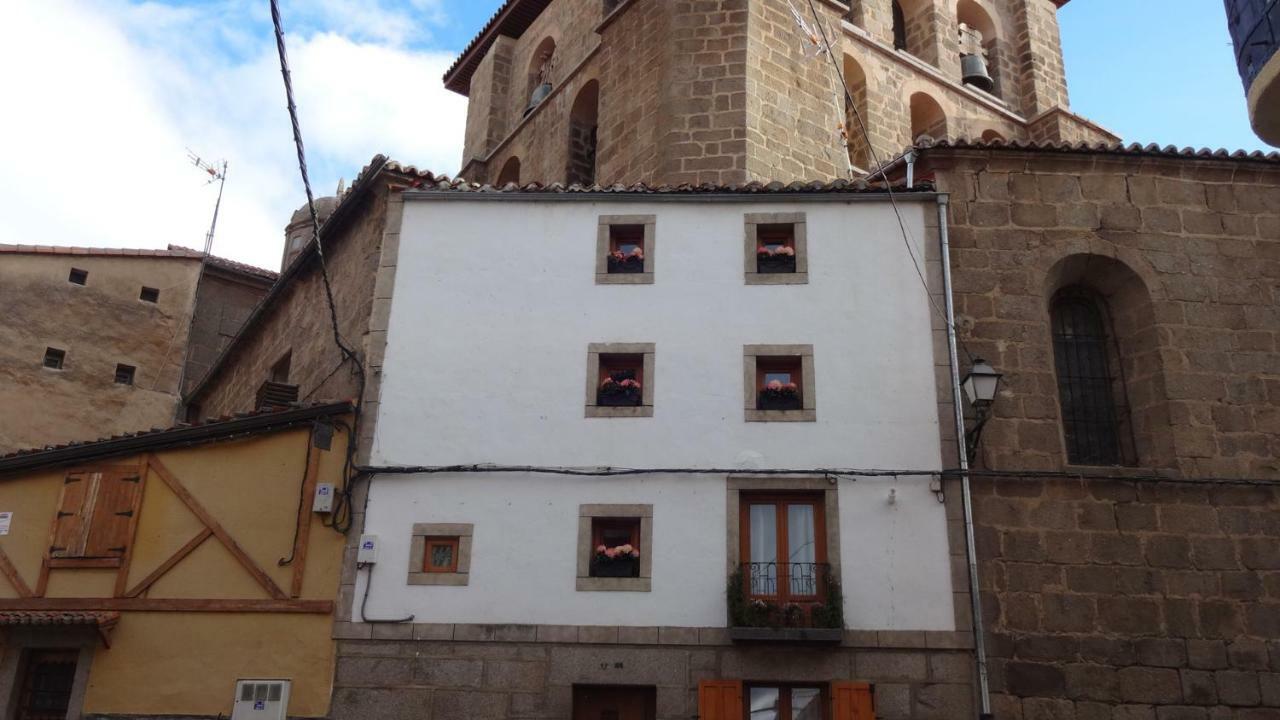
{"x": 589, "y": 512}
{"x": 737, "y": 485}
{"x": 20, "y": 640}
{"x": 752, "y": 221}
{"x": 603, "y": 277}
{"x": 418, "y": 547}
{"x": 808, "y": 392}
{"x": 594, "y": 351}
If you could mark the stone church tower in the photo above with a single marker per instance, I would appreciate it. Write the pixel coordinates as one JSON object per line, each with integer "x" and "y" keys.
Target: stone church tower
{"x": 730, "y": 91}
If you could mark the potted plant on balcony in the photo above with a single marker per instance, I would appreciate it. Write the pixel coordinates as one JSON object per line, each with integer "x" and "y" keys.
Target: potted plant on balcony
{"x": 778, "y": 395}
{"x": 632, "y": 262}
{"x": 620, "y": 561}
{"x": 775, "y": 259}
{"x": 620, "y": 389}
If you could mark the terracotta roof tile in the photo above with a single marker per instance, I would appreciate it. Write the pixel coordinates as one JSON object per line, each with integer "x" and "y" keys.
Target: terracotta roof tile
{"x": 102, "y": 620}
{"x": 1150, "y": 150}
{"x": 512, "y": 19}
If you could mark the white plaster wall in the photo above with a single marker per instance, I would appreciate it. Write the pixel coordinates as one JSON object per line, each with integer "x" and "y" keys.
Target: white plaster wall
{"x": 524, "y": 552}
{"x": 494, "y": 306}
{"x": 496, "y": 302}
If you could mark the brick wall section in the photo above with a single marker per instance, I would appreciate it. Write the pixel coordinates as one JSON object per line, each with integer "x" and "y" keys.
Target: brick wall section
{"x": 298, "y": 321}
{"x": 1125, "y": 599}
{"x": 527, "y": 672}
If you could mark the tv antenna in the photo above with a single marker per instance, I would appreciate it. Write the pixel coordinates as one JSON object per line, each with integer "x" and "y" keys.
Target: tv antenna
{"x": 217, "y": 171}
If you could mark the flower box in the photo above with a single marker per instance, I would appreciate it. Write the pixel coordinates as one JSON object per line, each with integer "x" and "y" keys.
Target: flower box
{"x": 620, "y": 389}
{"x": 779, "y": 396}
{"x": 617, "y": 568}
{"x": 775, "y": 263}
{"x": 633, "y": 263}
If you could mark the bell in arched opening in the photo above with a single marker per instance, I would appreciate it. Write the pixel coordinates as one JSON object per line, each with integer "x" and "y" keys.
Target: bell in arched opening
{"x": 973, "y": 61}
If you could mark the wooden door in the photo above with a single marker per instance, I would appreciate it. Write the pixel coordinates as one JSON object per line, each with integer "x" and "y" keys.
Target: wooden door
{"x": 613, "y": 703}
{"x": 46, "y": 684}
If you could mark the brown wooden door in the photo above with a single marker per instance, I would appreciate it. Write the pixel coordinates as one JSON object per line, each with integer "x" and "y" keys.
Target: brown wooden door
{"x": 46, "y": 684}
{"x": 613, "y": 703}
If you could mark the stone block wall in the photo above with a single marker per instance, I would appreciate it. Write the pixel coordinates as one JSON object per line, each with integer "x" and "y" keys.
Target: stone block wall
{"x": 435, "y": 672}
{"x": 223, "y": 302}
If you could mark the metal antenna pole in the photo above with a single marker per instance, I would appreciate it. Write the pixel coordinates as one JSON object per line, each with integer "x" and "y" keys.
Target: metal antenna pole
{"x": 222, "y": 181}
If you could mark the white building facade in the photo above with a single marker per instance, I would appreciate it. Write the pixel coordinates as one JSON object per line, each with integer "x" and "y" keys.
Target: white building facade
{"x": 657, "y": 453}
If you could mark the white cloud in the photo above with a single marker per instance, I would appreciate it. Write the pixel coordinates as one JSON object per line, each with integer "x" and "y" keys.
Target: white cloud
{"x": 95, "y": 134}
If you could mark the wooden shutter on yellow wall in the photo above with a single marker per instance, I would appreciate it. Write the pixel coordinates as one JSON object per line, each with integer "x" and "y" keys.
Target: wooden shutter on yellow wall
{"x": 70, "y": 524}
{"x": 851, "y": 701}
{"x": 720, "y": 700}
{"x": 111, "y": 521}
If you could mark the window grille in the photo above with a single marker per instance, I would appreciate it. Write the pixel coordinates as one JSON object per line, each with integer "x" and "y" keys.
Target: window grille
{"x": 1085, "y": 382}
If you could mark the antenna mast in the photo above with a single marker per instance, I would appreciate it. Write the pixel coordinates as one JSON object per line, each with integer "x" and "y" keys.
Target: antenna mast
{"x": 217, "y": 172}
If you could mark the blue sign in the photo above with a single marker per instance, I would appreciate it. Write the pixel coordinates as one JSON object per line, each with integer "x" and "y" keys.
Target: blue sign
{"x": 259, "y": 704}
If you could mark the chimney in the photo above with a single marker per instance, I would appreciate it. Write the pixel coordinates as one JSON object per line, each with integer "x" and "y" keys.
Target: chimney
{"x": 298, "y": 232}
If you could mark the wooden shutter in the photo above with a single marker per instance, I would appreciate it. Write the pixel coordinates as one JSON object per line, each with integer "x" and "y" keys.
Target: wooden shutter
{"x": 851, "y": 701}
{"x": 70, "y": 524}
{"x": 720, "y": 700}
{"x": 111, "y": 521}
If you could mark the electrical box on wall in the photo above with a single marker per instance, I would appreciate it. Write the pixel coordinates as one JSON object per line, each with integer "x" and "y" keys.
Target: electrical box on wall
{"x": 261, "y": 700}
{"x": 323, "y": 501}
{"x": 367, "y": 554}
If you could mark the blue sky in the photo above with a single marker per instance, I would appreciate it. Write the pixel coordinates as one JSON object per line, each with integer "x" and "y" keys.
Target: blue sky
{"x": 134, "y": 83}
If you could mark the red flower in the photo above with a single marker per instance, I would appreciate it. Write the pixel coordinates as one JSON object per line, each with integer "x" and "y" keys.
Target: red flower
{"x": 763, "y": 251}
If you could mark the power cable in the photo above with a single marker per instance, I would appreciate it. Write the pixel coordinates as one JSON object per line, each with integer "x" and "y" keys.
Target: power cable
{"x": 343, "y": 499}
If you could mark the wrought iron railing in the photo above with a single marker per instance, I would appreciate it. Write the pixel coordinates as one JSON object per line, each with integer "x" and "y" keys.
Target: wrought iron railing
{"x": 788, "y": 594}
{"x": 785, "y": 581}
{"x": 1255, "y": 30}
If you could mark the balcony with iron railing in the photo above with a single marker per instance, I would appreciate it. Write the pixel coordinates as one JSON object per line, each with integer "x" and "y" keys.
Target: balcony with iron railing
{"x": 792, "y": 602}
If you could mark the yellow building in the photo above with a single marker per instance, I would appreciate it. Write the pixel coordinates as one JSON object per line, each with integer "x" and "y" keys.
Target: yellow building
{"x": 178, "y": 572}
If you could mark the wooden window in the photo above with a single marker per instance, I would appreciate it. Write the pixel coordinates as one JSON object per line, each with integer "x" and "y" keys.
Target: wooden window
{"x": 441, "y": 555}
{"x": 124, "y": 374}
{"x": 615, "y": 544}
{"x": 149, "y": 294}
{"x": 95, "y": 518}
{"x": 784, "y": 544}
{"x": 615, "y": 548}
{"x": 45, "y": 688}
{"x": 785, "y": 702}
{"x": 620, "y": 380}
{"x": 776, "y": 249}
{"x": 624, "y": 249}
{"x": 54, "y": 358}
{"x": 1086, "y": 386}
{"x": 729, "y": 700}
{"x": 779, "y": 383}
{"x": 78, "y": 276}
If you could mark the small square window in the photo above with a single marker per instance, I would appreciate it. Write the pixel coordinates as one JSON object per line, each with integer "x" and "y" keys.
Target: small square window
{"x": 54, "y": 358}
{"x": 620, "y": 380}
{"x": 78, "y": 276}
{"x": 624, "y": 248}
{"x": 150, "y": 295}
{"x": 124, "y": 374}
{"x": 441, "y": 555}
{"x": 615, "y": 546}
{"x": 779, "y": 383}
{"x": 776, "y": 249}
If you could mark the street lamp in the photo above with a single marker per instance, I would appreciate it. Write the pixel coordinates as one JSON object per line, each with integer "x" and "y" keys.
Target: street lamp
{"x": 980, "y": 386}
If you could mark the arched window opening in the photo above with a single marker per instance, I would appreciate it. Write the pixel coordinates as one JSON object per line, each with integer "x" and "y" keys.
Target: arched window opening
{"x": 899, "y": 27}
{"x": 583, "y": 125}
{"x": 510, "y": 172}
{"x": 857, "y": 124}
{"x": 991, "y": 136}
{"x": 979, "y": 47}
{"x": 927, "y": 117}
{"x": 541, "y": 68}
{"x": 1090, "y": 395}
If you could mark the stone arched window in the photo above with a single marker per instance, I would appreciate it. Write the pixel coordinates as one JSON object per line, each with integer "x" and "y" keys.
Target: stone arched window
{"x": 992, "y": 136}
{"x": 1084, "y": 361}
{"x": 510, "y": 172}
{"x": 583, "y": 123}
{"x": 899, "y": 26}
{"x": 927, "y": 117}
{"x": 857, "y": 123}
{"x": 541, "y": 69}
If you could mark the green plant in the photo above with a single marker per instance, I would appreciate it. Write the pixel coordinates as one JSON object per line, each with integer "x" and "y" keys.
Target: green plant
{"x": 745, "y": 611}
{"x": 830, "y": 612}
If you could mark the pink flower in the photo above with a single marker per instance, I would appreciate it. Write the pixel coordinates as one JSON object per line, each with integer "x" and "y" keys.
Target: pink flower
{"x": 616, "y": 255}
{"x": 763, "y": 251}
{"x": 792, "y": 387}
{"x": 635, "y": 553}
{"x": 607, "y": 381}
{"x": 626, "y": 549}
{"x": 784, "y": 250}
{"x": 773, "y": 385}
{"x": 611, "y": 553}
{"x": 629, "y": 383}
{"x": 600, "y": 548}
{"x": 637, "y": 253}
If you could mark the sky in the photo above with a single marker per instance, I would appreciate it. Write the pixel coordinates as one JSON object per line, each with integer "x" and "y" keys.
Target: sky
{"x": 112, "y": 95}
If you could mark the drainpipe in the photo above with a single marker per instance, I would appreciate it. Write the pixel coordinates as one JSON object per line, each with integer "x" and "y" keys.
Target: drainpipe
{"x": 966, "y": 494}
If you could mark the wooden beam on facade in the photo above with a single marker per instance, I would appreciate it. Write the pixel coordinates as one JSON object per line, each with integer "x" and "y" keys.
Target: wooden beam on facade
{"x": 216, "y": 528}
{"x": 15, "y": 579}
{"x": 302, "y": 535}
{"x": 167, "y": 605}
{"x": 167, "y": 565}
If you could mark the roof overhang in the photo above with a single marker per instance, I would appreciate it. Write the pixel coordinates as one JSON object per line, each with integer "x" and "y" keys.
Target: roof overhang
{"x": 101, "y": 622}
{"x": 512, "y": 19}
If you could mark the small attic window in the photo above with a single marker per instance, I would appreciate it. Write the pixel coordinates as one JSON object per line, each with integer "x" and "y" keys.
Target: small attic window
{"x": 124, "y": 374}
{"x": 149, "y": 294}
{"x": 78, "y": 276}
{"x": 54, "y": 358}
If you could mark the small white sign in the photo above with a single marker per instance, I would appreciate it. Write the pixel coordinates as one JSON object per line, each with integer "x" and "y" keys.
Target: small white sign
{"x": 5, "y": 519}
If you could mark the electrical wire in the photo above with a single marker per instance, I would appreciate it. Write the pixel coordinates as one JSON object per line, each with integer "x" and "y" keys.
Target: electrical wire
{"x": 368, "y": 581}
{"x": 343, "y": 498}
{"x": 306, "y": 463}
{"x": 888, "y": 186}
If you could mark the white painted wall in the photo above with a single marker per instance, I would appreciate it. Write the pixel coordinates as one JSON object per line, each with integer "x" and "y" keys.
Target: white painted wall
{"x": 494, "y": 306}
